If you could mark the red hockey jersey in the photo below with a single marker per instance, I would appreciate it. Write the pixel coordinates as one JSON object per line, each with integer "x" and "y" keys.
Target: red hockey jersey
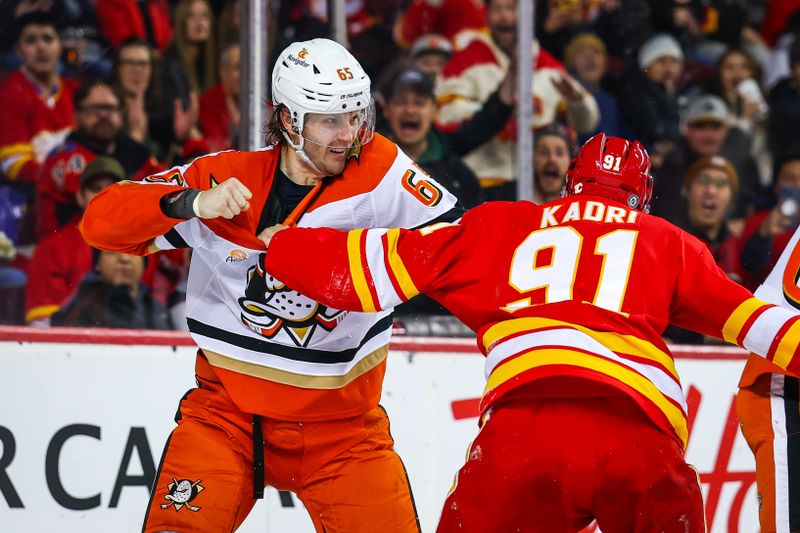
{"x": 579, "y": 287}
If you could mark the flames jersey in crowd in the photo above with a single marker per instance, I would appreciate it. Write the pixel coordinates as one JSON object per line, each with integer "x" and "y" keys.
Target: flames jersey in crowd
{"x": 33, "y": 124}
{"x": 576, "y": 287}
{"x": 278, "y": 353}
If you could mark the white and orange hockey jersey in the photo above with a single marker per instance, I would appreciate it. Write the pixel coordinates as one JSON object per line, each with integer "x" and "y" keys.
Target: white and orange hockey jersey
{"x": 580, "y": 287}
{"x": 277, "y": 352}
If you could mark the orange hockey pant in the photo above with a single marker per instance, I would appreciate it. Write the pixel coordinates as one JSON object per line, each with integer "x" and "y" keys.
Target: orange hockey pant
{"x": 551, "y": 465}
{"x": 345, "y": 471}
{"x": 770, "y": 421}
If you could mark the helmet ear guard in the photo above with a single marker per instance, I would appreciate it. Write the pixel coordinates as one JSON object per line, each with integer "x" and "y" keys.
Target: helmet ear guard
{"x": 614, "y": 168}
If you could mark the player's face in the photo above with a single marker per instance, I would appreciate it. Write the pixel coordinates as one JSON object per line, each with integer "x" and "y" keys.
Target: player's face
{"x": 328, "y": 138}
{"x": 550, "y": 163}
{"x": 120, "y": 269}
{"x": 99, "y": 116}
{"x": 501, "y": 17}
{"x": 39, "y": 48}
{"x": 706, "y": 137}
{"x": 135, "y": 69}
{"x": 709, "y": 197}
{"x": 410, "y": 116}
{"x": 198, "y": 23}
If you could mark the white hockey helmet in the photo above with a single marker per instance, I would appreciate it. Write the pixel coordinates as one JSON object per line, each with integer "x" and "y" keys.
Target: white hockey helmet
{"x": 321, "y": 76}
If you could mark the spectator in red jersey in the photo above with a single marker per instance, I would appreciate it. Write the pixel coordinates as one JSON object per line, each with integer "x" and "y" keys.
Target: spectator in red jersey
{"x": 133, "y": 74}
{"x": 62, "y": 260}
{"x": 456, "y": 20}
{"x": 119, "y": 20}
{"x": 476, "y": 71}
{"x": 766, "y": 233}
{"x": 99, "y": 132}
{"x": 431, "y": 53}
{"x": 219, "y": 106}
{"x": 113, "y": 296}
{"x": 37, "y": 111}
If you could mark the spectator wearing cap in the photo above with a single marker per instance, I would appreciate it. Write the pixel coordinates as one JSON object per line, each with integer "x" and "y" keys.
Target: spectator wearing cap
{"x": 710, "y": 187}
{"x": 63, "y": 259}
{"x": 112, "y": 295}
{"x": 409, "y": 108}
{"x": 100, "y": 131}
{"x": 553, "y": 149}
{"x": 768, "y": 232}
{"x": 651, "y": 98}
{"x": 783, "y": 125}
{"x": 475, "y": 73}
{"x": 706, "y": 130}
{"x": 586, "y": 57}
{"x": 431, "y": 53}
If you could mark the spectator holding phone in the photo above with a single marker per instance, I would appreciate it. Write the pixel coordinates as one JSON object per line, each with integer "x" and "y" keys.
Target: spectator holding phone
{"x": 766, "y": 233}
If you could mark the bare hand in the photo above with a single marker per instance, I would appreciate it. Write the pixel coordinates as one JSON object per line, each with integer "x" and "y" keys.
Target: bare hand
{"x": 270, "y": 232}
{"x": 226, "y": 200}
{"x": 567, "y": 87}
{"x": 775, "y": 223}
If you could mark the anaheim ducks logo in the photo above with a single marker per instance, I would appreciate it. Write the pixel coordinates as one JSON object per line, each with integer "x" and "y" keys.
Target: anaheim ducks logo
{"x": 269, "y": 306}
{"x": 181, "y": 493}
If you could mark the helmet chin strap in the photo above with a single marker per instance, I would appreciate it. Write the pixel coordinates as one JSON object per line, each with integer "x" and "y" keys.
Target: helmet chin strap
{"x": 300, "y": 151}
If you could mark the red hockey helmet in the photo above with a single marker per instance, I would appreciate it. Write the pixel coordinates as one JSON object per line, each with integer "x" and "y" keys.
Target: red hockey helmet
{"x": 614, "y": 168}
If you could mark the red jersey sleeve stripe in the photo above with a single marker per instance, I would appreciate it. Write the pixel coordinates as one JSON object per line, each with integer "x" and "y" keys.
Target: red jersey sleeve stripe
{"x": 396, "y": 266}
{"x": 740, "y": 316}
{"x": 389, "y": 271}
{"x": 749, "y": 323}
{"x": 373, "y": 293}
{"x": 785, "y": 344}
{"x": 355, "y": 260}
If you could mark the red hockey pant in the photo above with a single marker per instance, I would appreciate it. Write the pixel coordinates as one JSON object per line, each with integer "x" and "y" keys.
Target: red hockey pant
{"x": 552, "y": 465}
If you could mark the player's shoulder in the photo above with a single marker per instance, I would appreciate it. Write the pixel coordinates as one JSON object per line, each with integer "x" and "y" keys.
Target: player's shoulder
{"x": 499, "y": 213}
{"x": 244, "y": 165}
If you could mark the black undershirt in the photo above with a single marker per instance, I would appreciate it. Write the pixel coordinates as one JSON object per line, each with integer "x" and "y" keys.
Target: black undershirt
{"x": 283, "y": 198}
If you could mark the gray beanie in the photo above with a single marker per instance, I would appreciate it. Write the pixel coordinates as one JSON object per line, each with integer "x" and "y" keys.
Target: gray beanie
{"x": 660, "y": 45}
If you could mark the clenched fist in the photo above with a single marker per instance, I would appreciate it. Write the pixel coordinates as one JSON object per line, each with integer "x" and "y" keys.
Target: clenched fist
{"x": 226, "y": 200}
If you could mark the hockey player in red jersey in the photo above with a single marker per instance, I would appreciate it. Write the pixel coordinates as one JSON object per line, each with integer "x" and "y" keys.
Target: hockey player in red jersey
{"x": 583, "y": 416}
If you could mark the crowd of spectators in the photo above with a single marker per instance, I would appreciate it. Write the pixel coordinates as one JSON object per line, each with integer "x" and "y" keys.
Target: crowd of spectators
{"x": 96, "y": 92}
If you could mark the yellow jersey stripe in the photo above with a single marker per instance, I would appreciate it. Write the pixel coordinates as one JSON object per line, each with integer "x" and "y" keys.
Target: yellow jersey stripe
{"x": 396, "y": 264}
{"x": 616, "y": 342}
{"x": 787, "y": 345}
{"x": 16, "y": 149}
{"x": 42, "y": 311}
{"x": 555, "y": 356}
{"x": 733, "y": 326}
{"x": 13, "y": 171}
{"x": 357, "y": 270}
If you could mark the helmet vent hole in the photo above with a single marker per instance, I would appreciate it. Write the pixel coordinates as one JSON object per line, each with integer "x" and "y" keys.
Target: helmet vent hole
{"x": 284, "y": 64}
{"x": 316, "y": 70}
{"x": 344, "y": 106}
